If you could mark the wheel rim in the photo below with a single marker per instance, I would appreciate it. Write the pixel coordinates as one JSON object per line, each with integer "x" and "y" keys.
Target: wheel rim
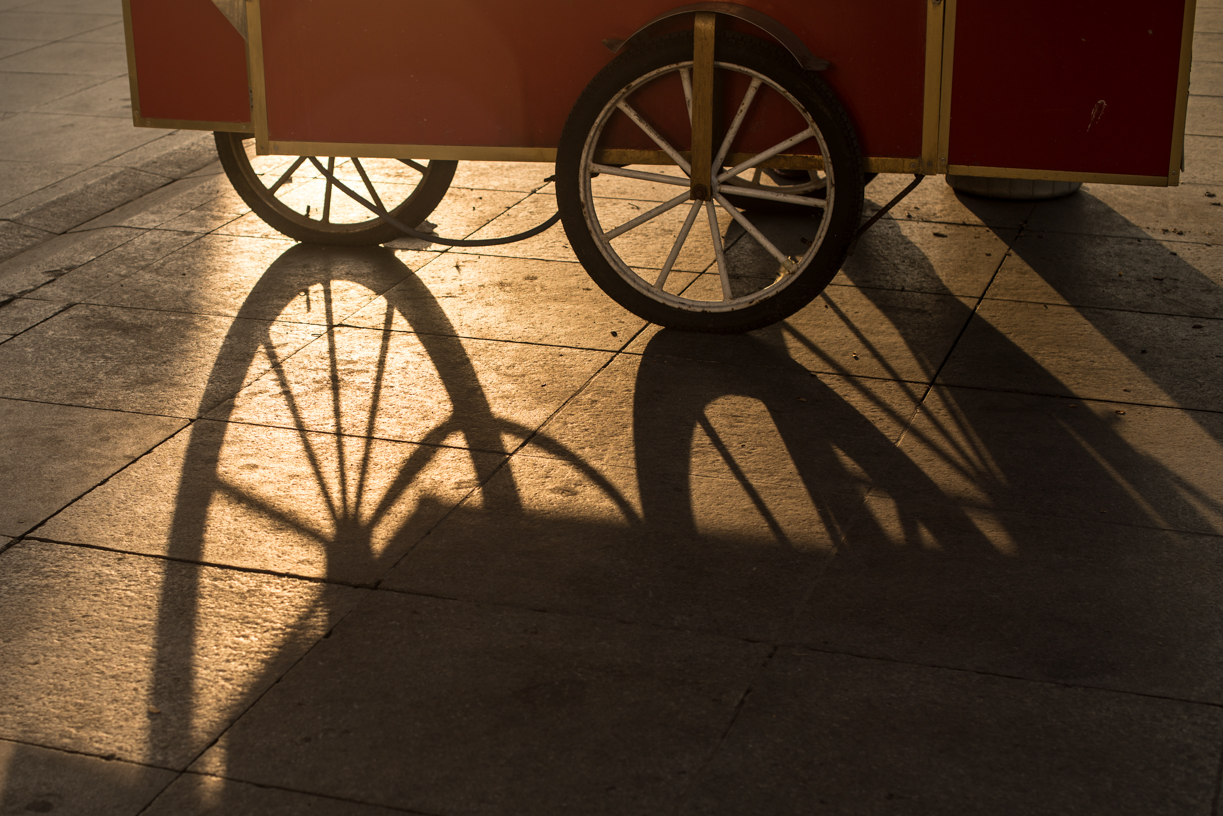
{"x": 743, "y": 254}
{"x": 297, "y": 191}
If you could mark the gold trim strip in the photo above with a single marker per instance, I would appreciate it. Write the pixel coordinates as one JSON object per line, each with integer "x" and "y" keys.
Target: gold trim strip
{"x": 1055, "y": 175}
{"x": 1177, "y": 159}
{"x": 130, "y": 40}
{"x": 948, "y": 58}
{"x": 931, "y": 111}
{"x": 192, "y": 124}
{"x": 254, "y": 69}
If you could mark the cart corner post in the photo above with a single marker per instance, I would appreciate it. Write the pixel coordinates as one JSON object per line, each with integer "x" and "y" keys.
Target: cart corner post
{"x": 255, "y": 67}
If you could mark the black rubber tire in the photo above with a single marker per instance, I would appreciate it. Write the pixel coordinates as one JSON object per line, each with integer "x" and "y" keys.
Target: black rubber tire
{"x": 825, "y": 112}
{"x": 412, "y": 211}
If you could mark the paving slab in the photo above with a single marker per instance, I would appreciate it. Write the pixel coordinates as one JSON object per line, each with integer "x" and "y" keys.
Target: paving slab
{"x": 1203, "y": 157}
{"x": 832, "y": 733}
{"x": 270, "y": 279}
{"x": 70, "y": 138}
{"x": 161, "y": 206}
{"x": 916, "y": 256}
{"x": 662, "y": 548}
{"x": 409, "y": 387}
{"x": 68, "y": 57}
{"x": 57, "y": 256}
{"x": 19, "y": 179}
{"x": 881, "y": 333}
{"x": 144, "y": 659}
{"x": 17, "y": 238}
{"x": 1100, "y": 354}
{"x": 18, "y": 315}
{"x": 199, "y": 795}
{"x": 934, "y": 201}
{"x": 315, "y": 505}
{"x": 753, "y": 424}
{"x": 110, "y": 33}
{"x": 9, "y": 47}
{"x": 1078, "y": 602}
{"x": 38, "y": 25}
{"x": 23, "y": 92}
{"x": 1204, "y": 116}
{"x": 523, "y": 177}
{"x": 42, "y": 780}
{"x": 1131, "y": 464}
{"x": 1184, "y": 213}
{"x": 78, "y": 283}
{"x": 140, "y": 360}
{"x": 69, "y": 203}
{"x": 52, "y": 454}
{"x": 1165, "y": 277}
{"x": 511, "y": 299}
{"x": 1206, "y": 79}
{"x": 447, "y": 707}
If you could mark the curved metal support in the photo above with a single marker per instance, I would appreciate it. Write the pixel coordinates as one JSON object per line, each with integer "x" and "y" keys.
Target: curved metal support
{"x": 764, "y": 22}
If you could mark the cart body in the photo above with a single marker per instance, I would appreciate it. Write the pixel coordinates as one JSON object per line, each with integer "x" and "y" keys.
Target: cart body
{"x": 1063, "y": 91}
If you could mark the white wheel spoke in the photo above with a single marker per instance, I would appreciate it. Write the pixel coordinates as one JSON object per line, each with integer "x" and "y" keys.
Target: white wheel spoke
{"x": 761, "y": 158}
{"x": 769, "y": 195}
{"x": 655, "y": 136}
{"x": 785, "y": 262}
{"x": 638, "y": 174}
{"x": 327, "y": 191}
{"x": 738, "y": 120}
{"x": 718, "y": 250}
{"x": 644, "y": 217}
{"x": 685, "y": 77}
{"x": 288, "y": 174}
{"x": 368, "y": 185}
{"x": 679, "y": 244}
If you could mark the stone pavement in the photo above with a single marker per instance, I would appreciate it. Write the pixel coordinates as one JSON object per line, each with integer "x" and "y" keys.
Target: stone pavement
{"x": 288, "y": 529}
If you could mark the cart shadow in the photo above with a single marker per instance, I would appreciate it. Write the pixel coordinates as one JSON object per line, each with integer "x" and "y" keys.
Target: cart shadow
{"x": 652, "y": 520}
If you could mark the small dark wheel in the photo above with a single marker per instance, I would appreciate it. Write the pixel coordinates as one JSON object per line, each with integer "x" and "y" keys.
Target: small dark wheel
{"x": 713, "y": 264}
{"x": 291, "y": 195}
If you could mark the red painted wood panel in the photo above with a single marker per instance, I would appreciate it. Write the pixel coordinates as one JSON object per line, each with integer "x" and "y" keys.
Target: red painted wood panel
{"x": 1075, "y": 86}
{"x": 190, "y": 62}
{"x": 483, "y": 73}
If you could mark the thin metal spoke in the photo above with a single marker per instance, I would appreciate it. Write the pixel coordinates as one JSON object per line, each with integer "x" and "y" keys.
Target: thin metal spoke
{"x": 417, "y": 166}
{"x": 644, "y": 217}
{"x": 374, "y": 193}
{"x": 655, "y": 136}
{"x": 679, "y": 244}
{"x": 769, "y": 195}
{"x": 748, "y": 98}
{"x": 760, "y": 158}
{"x": 718, "y": 250}
{"x": 638, "y": 174}
{"x": 685, "y": 77}
{"x": 755, "y": 233}
{"x": 327, "y": 190}
{"x": 288, "y": 174}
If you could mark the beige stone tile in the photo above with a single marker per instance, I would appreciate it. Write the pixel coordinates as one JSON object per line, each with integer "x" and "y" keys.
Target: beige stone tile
{"x": 757, "y": 424}
{"x": 1091, "y": 353}
{"x": 1168, "y": 277}
{"x": 281, "y": 500}
{"x": 143, "y": 659}
{"x": 41, "y": 780}
{"x": 142, "y": 360}
{"x": 417, "y": 387}
{"x": 934, "y": 201}
{"x": 1182, "y": 213}
{"x": 55, "y": 453}
{"x": 653, "y": 547}
{"x": 503, "y": 299}
{"x": 1066, "y": 457}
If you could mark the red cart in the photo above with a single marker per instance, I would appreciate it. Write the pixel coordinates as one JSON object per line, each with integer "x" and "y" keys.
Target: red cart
{"x": 709, "y": 157}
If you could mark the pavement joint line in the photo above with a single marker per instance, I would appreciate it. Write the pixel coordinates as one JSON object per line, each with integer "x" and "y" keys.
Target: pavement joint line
{"x": 105, "y": 757}
{"x": 692, "y": 783}
{"x": 186, "y": 419}
{"x": 1078, "y": 398}
{"x": 266, "y": 786}
{"x": 527, "y": 440}
{"x": 1082, "y": 307}
{"x": 339, "y": 435}
{"x": 1000, "y": 675}
{"x": 199, "y": 563}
